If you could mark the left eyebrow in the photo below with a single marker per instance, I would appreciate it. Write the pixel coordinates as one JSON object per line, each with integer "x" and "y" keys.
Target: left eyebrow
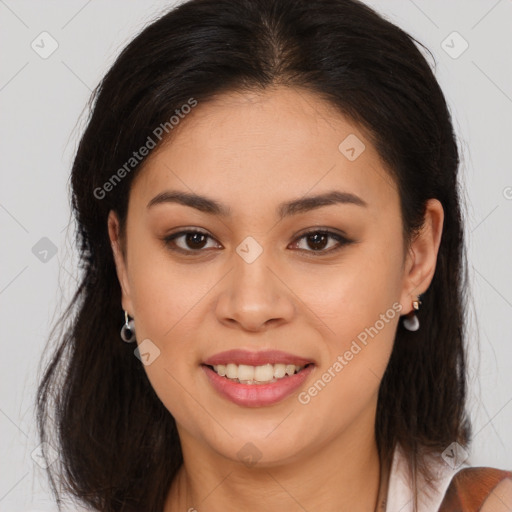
{"x": 307, "y": 204}
{"x": 286, "y": 209}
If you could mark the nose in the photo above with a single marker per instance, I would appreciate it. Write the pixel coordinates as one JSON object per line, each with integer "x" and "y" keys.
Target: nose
{"x": 254, "y": 296}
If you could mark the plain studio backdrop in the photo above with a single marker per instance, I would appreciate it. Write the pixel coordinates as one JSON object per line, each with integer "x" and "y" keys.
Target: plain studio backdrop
{"x": 55, "y": 53}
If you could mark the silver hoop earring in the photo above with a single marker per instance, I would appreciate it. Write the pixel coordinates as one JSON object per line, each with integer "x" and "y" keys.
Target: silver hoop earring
{"x": 411, "y": 321}
{"x": 128, "y": 329}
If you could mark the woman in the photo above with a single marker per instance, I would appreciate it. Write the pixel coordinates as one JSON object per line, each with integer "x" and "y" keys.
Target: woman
{"x": 267, "y": 203}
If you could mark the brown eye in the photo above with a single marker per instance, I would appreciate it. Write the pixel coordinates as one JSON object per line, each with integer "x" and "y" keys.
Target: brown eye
{"x": 317, "y": 241}
{"x": 190, "y": 241}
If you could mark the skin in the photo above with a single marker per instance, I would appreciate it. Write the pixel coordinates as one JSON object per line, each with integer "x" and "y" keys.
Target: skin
{"x": 251, "y": 152}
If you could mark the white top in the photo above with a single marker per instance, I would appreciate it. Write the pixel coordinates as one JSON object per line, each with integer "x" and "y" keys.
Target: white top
{"x": 400, "y": 494}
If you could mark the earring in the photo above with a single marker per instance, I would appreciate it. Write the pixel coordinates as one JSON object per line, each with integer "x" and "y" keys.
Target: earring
{"x": 411, "y": 321}
{"x": 128, "y": 329}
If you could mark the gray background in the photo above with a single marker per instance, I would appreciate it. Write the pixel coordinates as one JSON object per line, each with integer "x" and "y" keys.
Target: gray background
{"x": 42, "y": 103}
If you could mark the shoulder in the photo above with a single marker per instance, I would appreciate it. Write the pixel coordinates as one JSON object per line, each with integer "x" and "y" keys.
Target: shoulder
{"x": 479, "y": 489}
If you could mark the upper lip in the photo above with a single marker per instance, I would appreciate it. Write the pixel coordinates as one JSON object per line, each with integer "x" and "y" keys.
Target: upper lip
{"x": 238, "y": 356}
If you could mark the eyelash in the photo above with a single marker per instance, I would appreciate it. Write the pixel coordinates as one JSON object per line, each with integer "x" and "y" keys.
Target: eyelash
{"x": 342, "y": 241}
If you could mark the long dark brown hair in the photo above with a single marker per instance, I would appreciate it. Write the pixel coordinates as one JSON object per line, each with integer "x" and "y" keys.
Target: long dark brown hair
{"x": 118, "y": 445}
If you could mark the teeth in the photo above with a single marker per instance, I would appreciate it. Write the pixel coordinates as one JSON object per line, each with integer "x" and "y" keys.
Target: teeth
{"x": 231, "y": 371}
{"x": 262, "y": 373}
{"x": 256, "y": 374}
{"x": 280, "y": 371}
{"x": 246, "y": 372}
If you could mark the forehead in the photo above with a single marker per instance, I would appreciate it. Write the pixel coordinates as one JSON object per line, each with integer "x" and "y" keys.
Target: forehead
{"x": 249, "y": 147}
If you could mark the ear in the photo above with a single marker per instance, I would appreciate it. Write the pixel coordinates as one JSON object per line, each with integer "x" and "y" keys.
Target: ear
{"x": 122, "y": 275}
{"x": 421, "y": 259}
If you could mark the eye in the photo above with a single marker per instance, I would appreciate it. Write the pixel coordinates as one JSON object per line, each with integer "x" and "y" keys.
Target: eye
{"x": 319, "y": 239}
{"x": 192, "y": 241}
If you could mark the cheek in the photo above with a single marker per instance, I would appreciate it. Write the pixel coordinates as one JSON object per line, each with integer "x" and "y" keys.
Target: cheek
{"x": 359, "y": 309}
{"x": 354, "y": 295}
{"x": 163, "y": 292}
{"x": 360, "y": 312}
{"x": 166, "y": 299}
{"x": 167, "y": 303}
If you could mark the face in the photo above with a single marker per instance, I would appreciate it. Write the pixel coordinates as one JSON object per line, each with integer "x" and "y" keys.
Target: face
{"x": 269, "y": 268}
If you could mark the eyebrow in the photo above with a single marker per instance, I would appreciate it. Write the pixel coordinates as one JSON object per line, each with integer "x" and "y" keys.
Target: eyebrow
{"x": 213, "y": 207}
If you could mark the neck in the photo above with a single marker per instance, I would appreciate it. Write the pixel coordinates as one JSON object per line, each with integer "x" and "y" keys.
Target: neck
{"x": 341, "y": 476}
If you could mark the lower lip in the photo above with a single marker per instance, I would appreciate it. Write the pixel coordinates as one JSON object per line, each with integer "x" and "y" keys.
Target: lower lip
{"x": 257, "y": 395}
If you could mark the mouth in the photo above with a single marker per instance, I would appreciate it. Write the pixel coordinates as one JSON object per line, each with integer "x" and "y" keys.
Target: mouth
{"x": 257, "y": 386}
{"x": 257, "y": 375}
{"x": 256, "y": 379}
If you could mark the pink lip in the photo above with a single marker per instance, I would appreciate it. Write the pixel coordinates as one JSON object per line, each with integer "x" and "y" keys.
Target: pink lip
{"x": 256, "y": 395}
{"x": 238, "y": 357}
